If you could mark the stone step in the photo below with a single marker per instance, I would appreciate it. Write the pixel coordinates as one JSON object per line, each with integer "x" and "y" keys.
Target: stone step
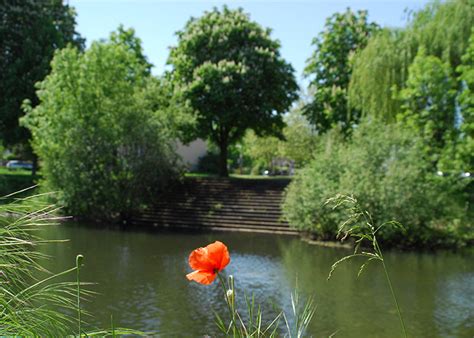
{"x": 234, "y": 219}
{"x": 217, "y": 212}
{"x": 234, "y": 189}
{"x": 217, "y": 200}
{"x": 220, "y": 204}
{"x": 224, "y": 196}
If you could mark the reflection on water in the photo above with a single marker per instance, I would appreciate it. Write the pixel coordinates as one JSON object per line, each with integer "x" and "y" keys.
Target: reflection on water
{"x": 141, "y": 282}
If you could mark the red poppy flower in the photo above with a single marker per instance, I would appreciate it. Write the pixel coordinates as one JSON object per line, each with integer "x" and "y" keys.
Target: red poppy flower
{"x": 208, "y": 262}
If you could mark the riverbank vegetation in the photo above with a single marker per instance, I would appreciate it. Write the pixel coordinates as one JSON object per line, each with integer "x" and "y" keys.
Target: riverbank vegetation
{"x": 388, "y": 122}
{"x": 406, "y": 153}
{"x": 388, "y": 118}
{"x": 385, "y": 167}
{"x": 104, "y": 145}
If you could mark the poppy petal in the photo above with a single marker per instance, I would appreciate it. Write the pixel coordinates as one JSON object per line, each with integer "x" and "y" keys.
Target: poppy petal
{"x": 218, "y": 255}
{"x": 202, "y": 277}
{"x": 199, "y": 260}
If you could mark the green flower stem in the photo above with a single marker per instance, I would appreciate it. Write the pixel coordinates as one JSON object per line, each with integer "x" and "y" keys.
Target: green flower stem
{"x": 79, "y": 259}
{"x": 230, "y": 305}
{"x": 391, "y": 289}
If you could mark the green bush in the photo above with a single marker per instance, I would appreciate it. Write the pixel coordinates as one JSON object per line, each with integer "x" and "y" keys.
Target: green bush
{"x": 384, "y": 167}
{"x": 101, "y": 144}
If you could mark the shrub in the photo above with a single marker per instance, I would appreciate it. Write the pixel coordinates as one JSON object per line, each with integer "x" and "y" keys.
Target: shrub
{"x": 384, "y": 167}
{"x": 296, "y": 145}
{"x": 100, "y": 143}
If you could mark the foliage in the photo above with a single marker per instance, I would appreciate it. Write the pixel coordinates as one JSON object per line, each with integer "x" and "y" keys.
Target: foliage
{"x": 101, "y": 144}
{"x": 465, "y": 151}
{"x": 330, "y": 69}
{"x": 231, "y": 73}
{"x": 127, "y": 38}
{"x": 384, "y": 167}
{"x": 300, "y": 138}
{"x": 442, "y": 29}
{"x": 261, "y": 150}
{"x": 22, "y": 293}
{"x": 253, "y": 325}
{"x": 379, "y": 71}
{"x": 30, "y": 32}
{"x": 297, "y": 144}
{"x": 36, "y": 302}
{"x": 428, "y": 102}
{"x": 175, "y": 114}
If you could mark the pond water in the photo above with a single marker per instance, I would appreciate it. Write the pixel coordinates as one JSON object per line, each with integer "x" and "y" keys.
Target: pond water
{"x": 141, "y": 282}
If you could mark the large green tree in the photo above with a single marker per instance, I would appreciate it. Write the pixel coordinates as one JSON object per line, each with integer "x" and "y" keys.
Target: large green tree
{"x": 380, "y": 70}
{"x": 329, "y": 69}
{"x": 465, "y": 152}
{"x": 128, "y": 38}
{"x": 428, "y": 102}
{"x": 30, "y": 32}
{"x": 230, "y": 71}
{"x": 101, "y": 142}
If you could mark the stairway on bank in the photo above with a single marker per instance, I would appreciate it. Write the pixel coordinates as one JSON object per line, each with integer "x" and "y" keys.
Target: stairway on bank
{"x": 251, "y": 205}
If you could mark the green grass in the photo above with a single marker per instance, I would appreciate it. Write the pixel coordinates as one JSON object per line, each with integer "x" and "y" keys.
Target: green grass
{"x": 16, "y": 180}
{"x": 35, "y": 302}
{"x": 237, "y": 176}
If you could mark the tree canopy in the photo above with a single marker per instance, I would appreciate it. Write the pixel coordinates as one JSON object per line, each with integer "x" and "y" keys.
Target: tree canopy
{"x": 329, "y": 69}
{"x": 30, "y": 32}
{"x": 100, "y": 141}
{"x": 231, "y": 73}
{"x": 380, "y": 71}
{"x": 465, "y": 151}
{"x": 428, "y": 102}
{"x": 127, "y": 38}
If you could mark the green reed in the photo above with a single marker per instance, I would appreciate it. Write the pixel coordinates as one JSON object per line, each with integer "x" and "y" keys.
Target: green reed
{"x": 360, "y": 226}
{"x": 31, "y": 305}
{"x": 253, "y": 325}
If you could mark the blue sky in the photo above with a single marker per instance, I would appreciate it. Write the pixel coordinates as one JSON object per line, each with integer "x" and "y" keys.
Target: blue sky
{"x": 294, "y": 23}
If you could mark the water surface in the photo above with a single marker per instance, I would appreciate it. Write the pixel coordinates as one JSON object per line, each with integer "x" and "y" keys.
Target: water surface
{"x": 141, "y": 282}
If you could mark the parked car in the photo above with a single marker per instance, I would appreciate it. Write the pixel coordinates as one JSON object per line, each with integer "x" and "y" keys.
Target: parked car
{"x": 15, "y": 164}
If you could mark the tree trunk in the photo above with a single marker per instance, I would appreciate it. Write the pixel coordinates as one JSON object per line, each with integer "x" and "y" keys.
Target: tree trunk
{"x": 223, "y": 172}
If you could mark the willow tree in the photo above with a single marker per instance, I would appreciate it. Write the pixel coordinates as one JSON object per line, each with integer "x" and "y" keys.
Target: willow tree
{"x": 329, "y": 69}
{"x": 380, "y": 70}
{"x": 230, "y": 71}
{"x": 443, "y": 29}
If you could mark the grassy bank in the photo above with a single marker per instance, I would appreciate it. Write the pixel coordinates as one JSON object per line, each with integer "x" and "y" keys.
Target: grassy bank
{"x": 238, "y": 176}
{"x": 16, "y": 180}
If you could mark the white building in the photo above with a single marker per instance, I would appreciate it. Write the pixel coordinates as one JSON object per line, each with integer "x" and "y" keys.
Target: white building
{"x": 191, "y": 152}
